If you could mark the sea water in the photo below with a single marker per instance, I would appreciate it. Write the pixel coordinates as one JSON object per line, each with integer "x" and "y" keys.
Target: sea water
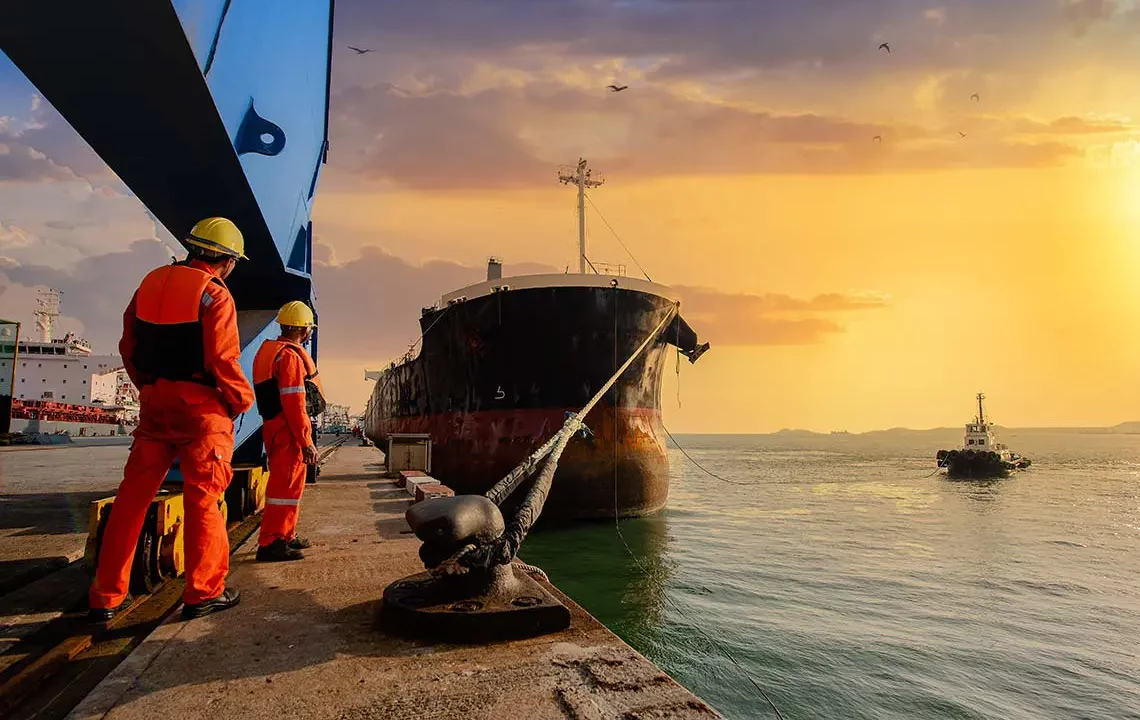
{"x": 847, "y": 581}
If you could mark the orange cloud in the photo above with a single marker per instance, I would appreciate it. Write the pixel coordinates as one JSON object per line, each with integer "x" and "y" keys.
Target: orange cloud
{"x": 769, "y": 319}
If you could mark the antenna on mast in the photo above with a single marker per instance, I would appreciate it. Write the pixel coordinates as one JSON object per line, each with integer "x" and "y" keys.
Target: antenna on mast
{"x": 47, "y": 310}
{"x": 582, "y": 177}
{"x": 981, "y": 412}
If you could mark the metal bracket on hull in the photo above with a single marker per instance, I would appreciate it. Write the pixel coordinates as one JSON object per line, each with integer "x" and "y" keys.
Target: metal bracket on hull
{"x": 252, "y": 131}
{"x": 695, "y": 354}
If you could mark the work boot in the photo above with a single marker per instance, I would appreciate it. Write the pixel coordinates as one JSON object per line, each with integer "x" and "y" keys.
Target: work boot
{"x": 225, "y": 601}
{"x": 278, "y": 551}
{"x": 107, "y": 614}
{"x": 299, "y": 543}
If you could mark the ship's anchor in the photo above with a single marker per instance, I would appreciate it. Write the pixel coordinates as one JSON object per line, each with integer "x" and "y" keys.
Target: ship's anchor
{"x": 473, "y": 589}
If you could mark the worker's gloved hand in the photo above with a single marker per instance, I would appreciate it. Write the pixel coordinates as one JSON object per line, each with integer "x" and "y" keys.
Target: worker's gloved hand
{"x": 309, "y": 454}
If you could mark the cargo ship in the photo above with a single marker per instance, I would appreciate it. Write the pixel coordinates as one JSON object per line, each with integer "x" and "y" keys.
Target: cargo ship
{"x": 981, "y": 455}
{"x": 58, "y": 385}
{"x": 503, "y": 362}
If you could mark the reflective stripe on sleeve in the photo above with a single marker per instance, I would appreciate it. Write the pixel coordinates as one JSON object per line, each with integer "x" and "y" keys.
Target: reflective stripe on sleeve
{"x": 281, "y": 501}
{"x": 293, "y": 390}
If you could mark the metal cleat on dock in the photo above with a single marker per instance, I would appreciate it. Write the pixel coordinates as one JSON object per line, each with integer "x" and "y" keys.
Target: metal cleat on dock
{"x": 457, "y": 600}
{"x": 473, "y": 590}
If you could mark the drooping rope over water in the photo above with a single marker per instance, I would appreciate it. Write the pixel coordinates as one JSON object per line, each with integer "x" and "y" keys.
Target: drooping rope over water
{"x": 504, "y": 550}
{"x": 645, "y": 571}
{"x": 700, "y": 467}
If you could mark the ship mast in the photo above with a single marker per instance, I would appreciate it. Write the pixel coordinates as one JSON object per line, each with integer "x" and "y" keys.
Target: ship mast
{"x": 981, "y": 412}
{"x": 581, "y": 177}
{"x": 47, "y": 310}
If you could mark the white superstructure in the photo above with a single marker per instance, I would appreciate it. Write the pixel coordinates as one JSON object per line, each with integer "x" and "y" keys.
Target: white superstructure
{"x": 59, "y": 371}
{"x": 980, "y": 434}
{"x": 7, "y": 349}
{"x": 114, "y": 389}
{"x": 62, "y": 370}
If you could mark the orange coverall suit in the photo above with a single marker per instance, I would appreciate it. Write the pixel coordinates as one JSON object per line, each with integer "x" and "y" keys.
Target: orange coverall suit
{"x": 279, "y": 373}
{"x": 180, "y": 347}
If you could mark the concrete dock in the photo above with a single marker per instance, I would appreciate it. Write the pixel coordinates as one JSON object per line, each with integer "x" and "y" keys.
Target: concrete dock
{"x": 302, "y": 643}
{"x": 45, "y": 492}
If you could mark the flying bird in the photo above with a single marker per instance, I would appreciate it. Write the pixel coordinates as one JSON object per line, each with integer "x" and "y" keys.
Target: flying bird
{"x": 878, "y": 138}
{"x": 975, "y": 98}
{"x": 962, "y": 133}
{"x": 616, "y": 88}
{"x": 359, "y": 51}
{"x": 887, "y": 47}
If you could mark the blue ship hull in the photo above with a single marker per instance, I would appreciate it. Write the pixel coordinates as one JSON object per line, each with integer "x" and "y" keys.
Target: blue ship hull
{"x": 202, "y": 107}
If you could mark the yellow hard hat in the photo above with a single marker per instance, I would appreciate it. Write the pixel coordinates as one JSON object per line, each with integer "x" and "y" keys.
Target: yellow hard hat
{"x": 296, "y": 314}
{"x": 219, "y": 235}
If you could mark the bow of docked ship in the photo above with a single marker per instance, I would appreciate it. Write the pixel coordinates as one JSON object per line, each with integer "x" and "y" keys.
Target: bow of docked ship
{"x": 503, "y": 362}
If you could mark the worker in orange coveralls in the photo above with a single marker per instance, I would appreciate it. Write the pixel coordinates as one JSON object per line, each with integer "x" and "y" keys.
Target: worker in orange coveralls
{"x": 180, "y": 347}
{"x": 288, "y": 393}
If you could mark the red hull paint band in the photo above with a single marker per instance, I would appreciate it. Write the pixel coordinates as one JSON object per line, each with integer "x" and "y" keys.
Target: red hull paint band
{"x": 473, "y": 451}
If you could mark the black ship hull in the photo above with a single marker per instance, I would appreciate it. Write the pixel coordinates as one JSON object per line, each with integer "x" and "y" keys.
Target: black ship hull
{"x": 978, "y": 465}
{"x": 5, "y": 414}
{"x": 497, "y": 375}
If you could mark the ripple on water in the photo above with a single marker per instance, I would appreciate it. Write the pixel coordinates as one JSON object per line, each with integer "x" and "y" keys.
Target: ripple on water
{"x": 851, "y": 585}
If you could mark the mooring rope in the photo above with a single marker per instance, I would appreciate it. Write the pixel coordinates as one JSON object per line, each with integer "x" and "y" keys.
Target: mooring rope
{"x": 645, "y": 571}
{"x": 941, "y": 464}
{"x": 504, "y": 550}
{"x": 617, "y": 237}
{"x": 700, "y": 467}
{"x": 531, "y": 570}
{"x": 502, "y": 489}
{"x": 390, "y": 365}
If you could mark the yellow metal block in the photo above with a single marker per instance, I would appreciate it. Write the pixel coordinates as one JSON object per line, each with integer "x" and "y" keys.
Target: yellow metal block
{"x": 98, "y": 507}
{"x": 258, "y": 479}
{"x": 96, "y": 518}
{"x": 168, "y": 531}
{"x": 171, "y": 513}
{"x": 170, "y": 523}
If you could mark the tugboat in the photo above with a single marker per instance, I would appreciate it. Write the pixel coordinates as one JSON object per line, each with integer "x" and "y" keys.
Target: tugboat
{"x": 981, "y": 455}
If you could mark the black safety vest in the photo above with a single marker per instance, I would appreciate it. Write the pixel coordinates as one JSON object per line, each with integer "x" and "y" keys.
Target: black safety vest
{"x": 267, "y": 390}
{"x": 168, "y": 325}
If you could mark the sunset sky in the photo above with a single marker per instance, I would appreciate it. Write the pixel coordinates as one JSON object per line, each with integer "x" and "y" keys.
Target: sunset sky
{"x": 843, "y": 282}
